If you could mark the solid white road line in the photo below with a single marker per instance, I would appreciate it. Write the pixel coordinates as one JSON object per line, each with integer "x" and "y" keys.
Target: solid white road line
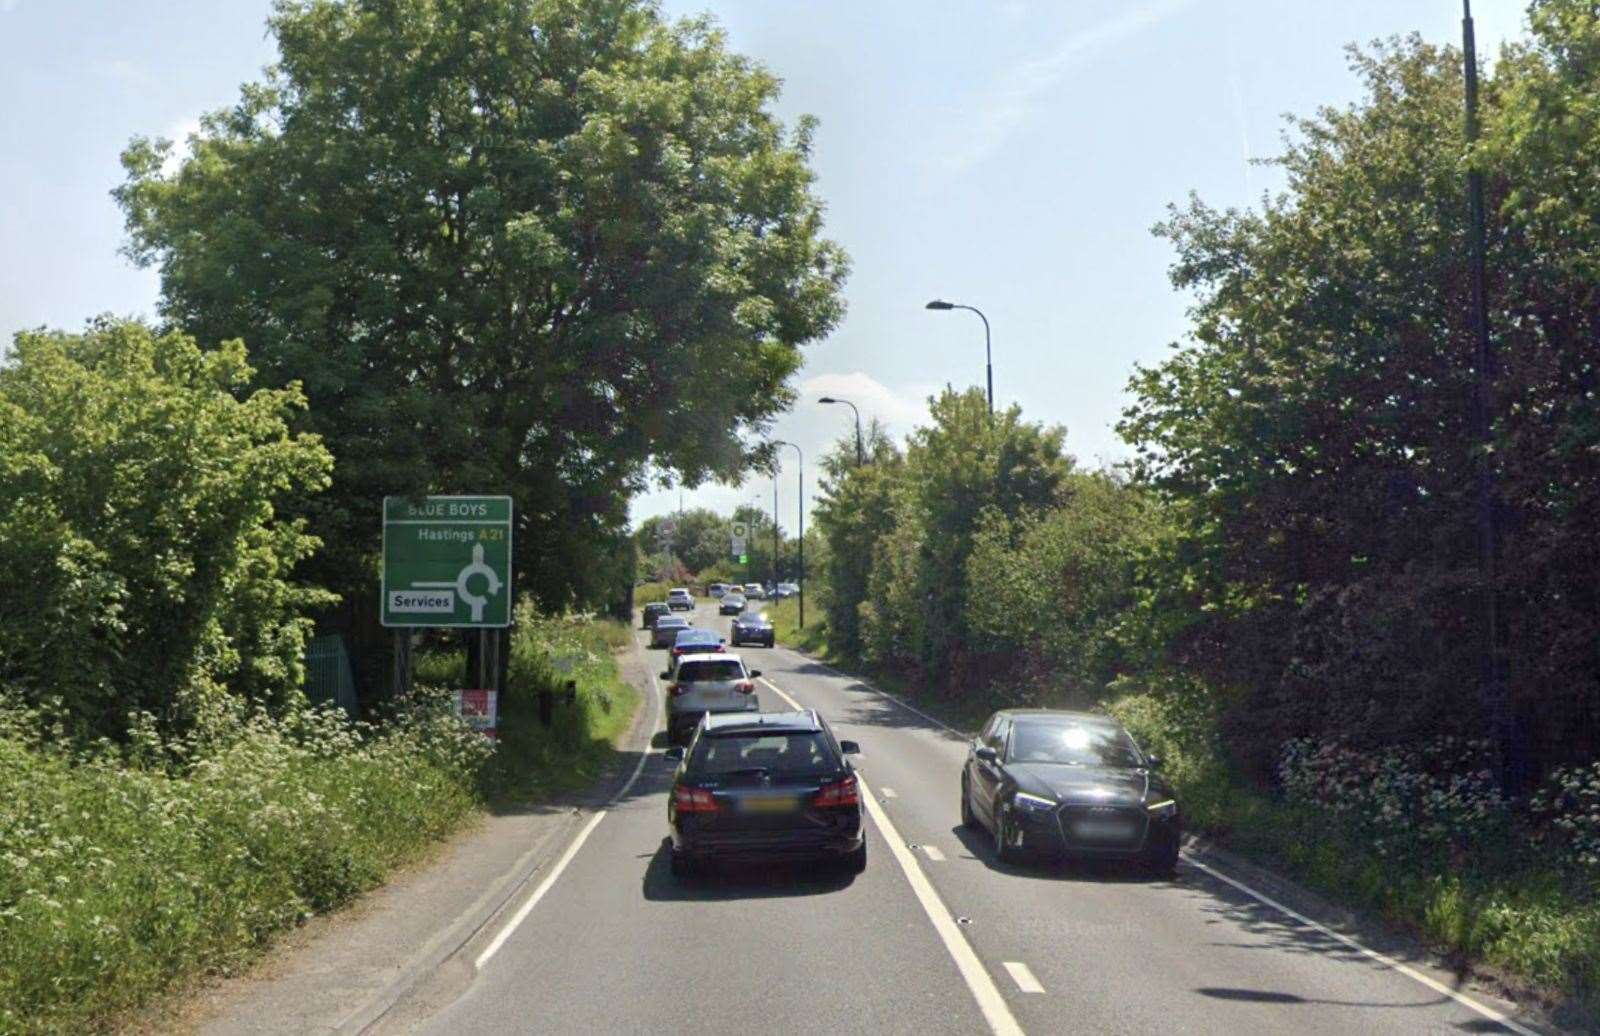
{"x": 933, "y": 853}
{"x": 887, "y": 792}
{"x": 1389, "y": 962}
{"x": 1022, "y": 975}
{"x": 993, "y": 1005}
{"x": 583, "y": 835}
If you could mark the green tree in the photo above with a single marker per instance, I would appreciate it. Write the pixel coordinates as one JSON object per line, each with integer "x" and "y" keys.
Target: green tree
{"x": 523, "y": 246}
{"x": 967, "y": 463}
{"x": 1314, "y": 435}
{"x": 144, "y": 560}
{"x": 854, "y": 511}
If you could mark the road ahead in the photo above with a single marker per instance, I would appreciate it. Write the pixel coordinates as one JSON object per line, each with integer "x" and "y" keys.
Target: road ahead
{"x": 935, "y": 937}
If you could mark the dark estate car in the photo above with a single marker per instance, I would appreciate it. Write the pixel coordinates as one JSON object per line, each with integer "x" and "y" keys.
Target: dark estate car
{"x": 666, "y": 629}
{"x": 751, "y": 628}
{"x": 1073, "y": 784}
{"x": 732, "y": 603}
{"x": 772, "y": 785}
{"x": 652, "y": 612}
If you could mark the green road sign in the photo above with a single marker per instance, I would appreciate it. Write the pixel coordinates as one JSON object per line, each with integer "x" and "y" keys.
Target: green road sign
{"x": 447, "y": 561}
{"x": 744, "y": 559}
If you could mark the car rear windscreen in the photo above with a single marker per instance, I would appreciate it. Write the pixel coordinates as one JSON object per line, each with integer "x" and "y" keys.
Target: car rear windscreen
{"x": 711, "y": 669}
{"x": 798, "y": 754}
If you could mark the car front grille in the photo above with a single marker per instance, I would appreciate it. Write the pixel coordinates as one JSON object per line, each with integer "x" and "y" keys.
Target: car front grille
{"x": 1108, "y": 828}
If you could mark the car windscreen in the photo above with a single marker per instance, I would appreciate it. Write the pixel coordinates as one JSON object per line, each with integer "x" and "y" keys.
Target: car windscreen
{"x": 694, "y": 638}
{"x": 672, "y": 621}
{"x": 711, "y": 669}
{"x": 796, "y": 754}
{"x": 752, "y": 619}
{"x": 1069, "y": 743}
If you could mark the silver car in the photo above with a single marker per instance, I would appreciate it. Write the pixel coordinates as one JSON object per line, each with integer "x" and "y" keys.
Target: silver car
{"x": 707, "y": 683}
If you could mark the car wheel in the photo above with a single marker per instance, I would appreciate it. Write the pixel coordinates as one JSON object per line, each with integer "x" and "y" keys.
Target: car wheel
{"x": 969, "y": 819}
{"x": 1162, "y": 860}
{"x": 1004, "y": 851}
{"x": 855, "y": 862}
{"x": 683, "y": 865}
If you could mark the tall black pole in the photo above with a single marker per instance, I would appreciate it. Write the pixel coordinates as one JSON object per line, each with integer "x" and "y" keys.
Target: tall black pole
{"x": 1492, "y": 679}
{"x": 772, "y": 569}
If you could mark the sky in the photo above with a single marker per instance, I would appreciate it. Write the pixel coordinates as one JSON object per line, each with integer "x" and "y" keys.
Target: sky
{"x": 1007, "y": 154}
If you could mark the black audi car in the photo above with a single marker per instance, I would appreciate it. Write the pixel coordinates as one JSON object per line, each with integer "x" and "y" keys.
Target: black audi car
{"x": 752, "y": 628}
{"x": 1046, "y": 782}
{"x": 765, "y": 786}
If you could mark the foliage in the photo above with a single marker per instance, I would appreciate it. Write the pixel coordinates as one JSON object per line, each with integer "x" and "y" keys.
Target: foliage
{"x": 123, "y": 870}
{"x": 533, "y": 760}
{"x": 524, "y": 246}
{"x": 965, "y": 466}
{"x": 1051, "y": 593}
{"x": 1314, "y": 435}
{"x": 854, "y": 511}
{"x": 145, "y": 563}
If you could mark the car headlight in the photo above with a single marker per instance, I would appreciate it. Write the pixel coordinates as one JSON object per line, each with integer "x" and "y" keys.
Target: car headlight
{"x": 1163, "y": 810}
{"x": 1022, "y": 800}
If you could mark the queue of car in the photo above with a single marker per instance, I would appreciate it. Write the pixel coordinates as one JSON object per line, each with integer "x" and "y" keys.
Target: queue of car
{"x": 1041, "y": 783}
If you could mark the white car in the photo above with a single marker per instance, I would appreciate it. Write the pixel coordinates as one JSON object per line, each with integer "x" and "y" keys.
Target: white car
{"x": 680, "y": 599}
{"x": 707, "y": 683}
{"x": 755, "y": 592}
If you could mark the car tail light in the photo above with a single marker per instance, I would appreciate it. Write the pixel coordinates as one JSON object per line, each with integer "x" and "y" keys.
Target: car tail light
{"x": 745, "y": 686}
{"x": 693, "y": 800}
{"x": 838, "y": 793}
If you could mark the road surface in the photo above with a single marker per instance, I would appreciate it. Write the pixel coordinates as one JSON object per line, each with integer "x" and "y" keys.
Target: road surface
{"x": 935, "y": 937}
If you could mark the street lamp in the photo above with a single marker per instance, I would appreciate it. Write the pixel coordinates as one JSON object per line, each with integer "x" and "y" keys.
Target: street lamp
{"x": 852, "y": 406}
{"x": 800, "y": 507}
{"x": 988, "y": 359}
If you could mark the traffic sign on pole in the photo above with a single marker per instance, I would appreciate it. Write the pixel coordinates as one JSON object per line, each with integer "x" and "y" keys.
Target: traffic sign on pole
{"x": 741, "y": 532}
{"x": 447, "y": 561}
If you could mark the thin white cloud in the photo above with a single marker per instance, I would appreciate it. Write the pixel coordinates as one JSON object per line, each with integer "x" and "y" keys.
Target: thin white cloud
{"x": 179, "y": 134}
{"x": 1005, "y": 106}
{"x": 7, "y": 6}
{"x": 899, "y": 410}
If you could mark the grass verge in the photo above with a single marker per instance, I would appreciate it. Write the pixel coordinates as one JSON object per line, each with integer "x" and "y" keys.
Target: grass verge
{"x": 127, "y": 870}
{"x": 785, "y": 616}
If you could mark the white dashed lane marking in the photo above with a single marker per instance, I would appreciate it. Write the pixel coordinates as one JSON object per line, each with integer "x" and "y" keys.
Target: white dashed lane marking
{"x": 1023, "y": 977}
{"x": 933, "y": 854}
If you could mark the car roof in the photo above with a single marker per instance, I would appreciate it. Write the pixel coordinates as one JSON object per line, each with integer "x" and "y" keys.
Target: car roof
{"x": 672, "y": 618}
{"x": 804, "y": 721}
{"x": 678, "y": 590}
{"x": 1096, "y": 718}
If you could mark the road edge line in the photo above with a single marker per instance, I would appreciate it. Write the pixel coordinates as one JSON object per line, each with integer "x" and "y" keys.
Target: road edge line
{"x": 979, "y": 982}
{"x": 1496, "y": 1016}
{"x": 582, "y": 836}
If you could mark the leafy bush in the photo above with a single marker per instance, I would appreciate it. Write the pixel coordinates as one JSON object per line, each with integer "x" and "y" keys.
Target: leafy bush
{"x": 1569, "y": 806}
{"x": 143, "y": 565}
{"x": 126, "y": 867}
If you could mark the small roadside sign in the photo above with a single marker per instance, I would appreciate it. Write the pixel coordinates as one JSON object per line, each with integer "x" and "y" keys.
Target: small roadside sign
{"x": 447, "y": 561}
{"x": 480, "y": 710}
{"x": 741, "y": 532}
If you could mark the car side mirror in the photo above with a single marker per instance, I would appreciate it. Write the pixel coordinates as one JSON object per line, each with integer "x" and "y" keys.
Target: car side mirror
{"x": 1152, "y": 761}
{"x": 849, "y": 748}
{"x": 754, "y": 673}
{"x": 675, "y": 752}
{"x": 666, "y": 674}
{"x": 986, "y": 753}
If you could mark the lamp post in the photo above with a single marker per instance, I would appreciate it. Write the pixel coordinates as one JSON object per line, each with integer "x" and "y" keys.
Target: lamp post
{"x": 988, "y": 358}
{"x": 1494, "y": 692}
{"x": 800, "y": 508}
{"x": 829, "y": 399}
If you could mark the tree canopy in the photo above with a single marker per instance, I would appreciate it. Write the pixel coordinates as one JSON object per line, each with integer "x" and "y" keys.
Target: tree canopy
{"x": 540, "y": 247}
{"x": 146, "y": 559}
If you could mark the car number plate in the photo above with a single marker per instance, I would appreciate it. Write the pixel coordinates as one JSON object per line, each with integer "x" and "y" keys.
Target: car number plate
{"x": 1103, "y": 830}
{"x": 770, "y": 804}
